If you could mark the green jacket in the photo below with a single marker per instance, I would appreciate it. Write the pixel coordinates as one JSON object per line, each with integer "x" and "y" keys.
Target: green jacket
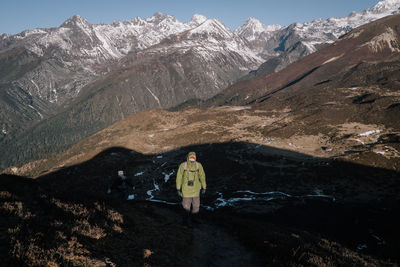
{"x": 190, "y": 174}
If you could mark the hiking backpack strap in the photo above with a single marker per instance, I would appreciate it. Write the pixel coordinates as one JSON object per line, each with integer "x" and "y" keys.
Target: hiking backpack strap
{"x": 185, "y": 167}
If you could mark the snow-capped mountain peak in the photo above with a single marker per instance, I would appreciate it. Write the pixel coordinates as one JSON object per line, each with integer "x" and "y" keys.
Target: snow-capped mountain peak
{"x": 76, "y": 20}
{"x": 158, "y": 17}
{"x": 212, "y": 28}
{"x": 253, "y": 28}
{"x": 387, "y": 5}
{"x": 197, "y": 19}
{"x": 254, "y": 24}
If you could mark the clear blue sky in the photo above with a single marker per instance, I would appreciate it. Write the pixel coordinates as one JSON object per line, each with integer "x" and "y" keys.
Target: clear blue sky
{"x": 19, "y": 15}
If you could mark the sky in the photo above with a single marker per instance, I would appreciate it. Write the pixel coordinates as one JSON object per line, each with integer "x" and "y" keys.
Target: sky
{"x": 20, "y": 15}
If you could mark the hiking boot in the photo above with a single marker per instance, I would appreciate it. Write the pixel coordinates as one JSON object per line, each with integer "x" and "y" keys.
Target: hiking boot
{"x": 188, "y": 220}
{"x": 196, "y": 218}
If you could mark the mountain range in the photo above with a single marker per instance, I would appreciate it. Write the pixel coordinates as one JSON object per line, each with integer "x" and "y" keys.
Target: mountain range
{"x": 339, "y": 102}
{"x": 61, "y": 84}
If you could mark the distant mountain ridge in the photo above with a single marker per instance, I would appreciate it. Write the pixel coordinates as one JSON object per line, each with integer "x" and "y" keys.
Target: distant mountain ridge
{"x": 42, "y": 70}
{"x": 77, "y": 43}
{"x": 281, "y": 46}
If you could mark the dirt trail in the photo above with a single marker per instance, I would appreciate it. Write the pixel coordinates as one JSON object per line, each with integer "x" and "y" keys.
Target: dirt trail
{"x": 212, "y": 245}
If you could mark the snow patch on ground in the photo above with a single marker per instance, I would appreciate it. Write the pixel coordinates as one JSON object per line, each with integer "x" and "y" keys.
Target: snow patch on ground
{"x": 292, "y": 145}
{"x": 139, "y": 173}
{"x": 221, "y": 202}
{"x": 37, "y": 87}
{"x": 358, "y": 140}
{"x": 238, "y": 108}
{"x": 151, "y": 196}
{"x": 319, "y": 194}
{"x": 167, "y": 176}
{"x": 379, "y": 240}
{"x": 155, "y": 97}
{"x": 361, "y": 247}
{"x": 332, "y": 59}
{"x": 131, "y": 197}
{"x": 370, "y": 132}
{"x": 265, "y": 193}
{"x": 247, "y": 195}
{"x": 40, "y": 115}
{"x": 386, "y": 151}
{"x": 150, "y": 192}
{"x": 207, "y": 207}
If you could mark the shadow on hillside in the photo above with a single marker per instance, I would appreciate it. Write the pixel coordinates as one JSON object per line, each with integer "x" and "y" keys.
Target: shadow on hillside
{"x": 298, "y": 203}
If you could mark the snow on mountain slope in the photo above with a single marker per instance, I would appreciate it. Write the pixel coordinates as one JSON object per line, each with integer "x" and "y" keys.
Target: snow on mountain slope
{"x": 328, "y": 31}
{"x": 139, "y": 33}
{"x": 43, "y": 70}
{"x": 51, "y": 66}
{"x": 213, "y": 36}
{"x": 97, "y": 42}
{"x": 80, "y": 47}
{"x": 212, "y": 28}
{"x": 285, "y": 45}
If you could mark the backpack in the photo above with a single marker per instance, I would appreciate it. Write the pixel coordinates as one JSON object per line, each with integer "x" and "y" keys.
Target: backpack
{"x": 185, "y": 167}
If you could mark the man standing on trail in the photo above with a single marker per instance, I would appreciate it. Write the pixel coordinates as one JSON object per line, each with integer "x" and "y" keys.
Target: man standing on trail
{"x": 190, "y": 180}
